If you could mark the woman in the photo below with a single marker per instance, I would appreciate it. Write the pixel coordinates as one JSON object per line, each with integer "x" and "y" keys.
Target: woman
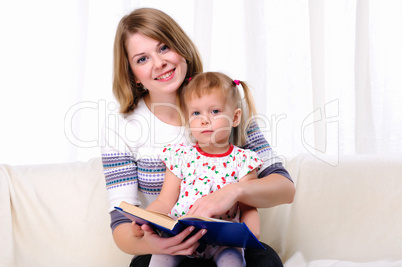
{"x": 153, "y": 59}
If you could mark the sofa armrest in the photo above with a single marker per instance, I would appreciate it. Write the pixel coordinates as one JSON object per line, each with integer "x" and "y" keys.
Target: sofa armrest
{"x": 59, "y": 216}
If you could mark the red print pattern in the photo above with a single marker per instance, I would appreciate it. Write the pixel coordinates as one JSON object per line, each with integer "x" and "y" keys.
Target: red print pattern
{"x": 202, "y": 174}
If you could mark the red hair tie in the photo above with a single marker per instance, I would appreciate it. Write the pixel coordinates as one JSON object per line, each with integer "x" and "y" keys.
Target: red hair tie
{"x": 237, "y": 82}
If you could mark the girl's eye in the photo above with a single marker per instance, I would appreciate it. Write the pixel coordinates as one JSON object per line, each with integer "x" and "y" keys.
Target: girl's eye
{"x": 215, "y": 111}
{"x": 196, "y": 113}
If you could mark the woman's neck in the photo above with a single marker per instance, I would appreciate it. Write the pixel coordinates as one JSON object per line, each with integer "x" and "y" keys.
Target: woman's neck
{"x": 165, "y": 108}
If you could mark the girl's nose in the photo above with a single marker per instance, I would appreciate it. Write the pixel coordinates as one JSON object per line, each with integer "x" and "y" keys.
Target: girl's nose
{"x": 205, "y": 120}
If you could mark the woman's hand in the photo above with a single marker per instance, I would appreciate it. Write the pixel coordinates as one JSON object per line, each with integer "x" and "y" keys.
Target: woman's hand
{"x": 173, "y": 245}
{"x": 138, "y": 240}
{"x": 137, "y": 231}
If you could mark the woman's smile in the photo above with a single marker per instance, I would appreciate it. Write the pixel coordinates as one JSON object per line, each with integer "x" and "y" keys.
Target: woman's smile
{"x": 166, "y": 76}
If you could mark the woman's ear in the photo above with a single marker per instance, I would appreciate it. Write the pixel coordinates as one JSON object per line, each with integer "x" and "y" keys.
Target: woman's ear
{"x": 237, "y": 117}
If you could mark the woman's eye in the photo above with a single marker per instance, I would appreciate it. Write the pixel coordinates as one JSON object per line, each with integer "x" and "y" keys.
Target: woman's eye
{"x": 164, "y": 48}
{"x": 196, "y": 113}
{"x": 141, "y": 60}
{"x": 215, "y": 111}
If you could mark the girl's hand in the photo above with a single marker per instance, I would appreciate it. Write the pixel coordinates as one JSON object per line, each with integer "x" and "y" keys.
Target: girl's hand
{"x": 217, "y": 202}
{"x": 172, "y": 245}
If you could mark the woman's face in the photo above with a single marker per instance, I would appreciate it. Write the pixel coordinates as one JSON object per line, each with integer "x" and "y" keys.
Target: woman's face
{"x": 160, "y": 69}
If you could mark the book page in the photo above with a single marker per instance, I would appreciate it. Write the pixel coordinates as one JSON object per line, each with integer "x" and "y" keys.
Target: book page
{"x": 147, "y": 215}
{"x": 200, "y": 218}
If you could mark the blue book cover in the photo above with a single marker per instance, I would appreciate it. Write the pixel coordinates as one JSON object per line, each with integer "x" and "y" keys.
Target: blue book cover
{"x": 219, "y": 232}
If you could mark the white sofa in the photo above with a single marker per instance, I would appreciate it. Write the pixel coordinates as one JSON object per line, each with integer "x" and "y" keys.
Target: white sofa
{"x": 344, "y": 215}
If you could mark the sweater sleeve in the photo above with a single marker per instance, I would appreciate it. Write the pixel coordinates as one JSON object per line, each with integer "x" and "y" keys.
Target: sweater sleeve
{"x": 119, "y": 166}
{"x": 256, "y": 142}
{"x": 120, "y": 172}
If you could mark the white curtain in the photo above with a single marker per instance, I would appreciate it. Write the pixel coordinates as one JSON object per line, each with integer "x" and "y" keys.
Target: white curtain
{"x": 325, "y": 74}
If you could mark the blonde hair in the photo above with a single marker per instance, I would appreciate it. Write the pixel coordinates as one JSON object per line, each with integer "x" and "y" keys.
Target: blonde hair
{"x": 159, "y": 26}
{"x": 204, "y": 83}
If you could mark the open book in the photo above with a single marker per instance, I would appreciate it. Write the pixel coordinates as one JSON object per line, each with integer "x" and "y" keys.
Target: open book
{"x": 219, "y": 232}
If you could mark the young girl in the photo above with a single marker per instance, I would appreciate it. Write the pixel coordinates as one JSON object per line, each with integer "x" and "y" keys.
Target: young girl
{"x": 213, "y": 107}
{"x": 153, "y": 58}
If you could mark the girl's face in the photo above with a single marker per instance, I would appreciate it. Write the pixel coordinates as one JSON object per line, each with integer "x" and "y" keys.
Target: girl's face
{"x": 160, "y": 69}
{"x": 211, "y": 119}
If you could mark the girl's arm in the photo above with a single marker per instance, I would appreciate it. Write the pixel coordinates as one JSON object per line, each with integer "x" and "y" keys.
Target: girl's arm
{"x": 169, "y": 194}
{"x": 138, "y": 240}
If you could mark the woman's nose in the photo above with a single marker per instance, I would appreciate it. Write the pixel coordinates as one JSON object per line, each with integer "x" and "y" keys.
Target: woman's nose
{"x": 159, "y": 62}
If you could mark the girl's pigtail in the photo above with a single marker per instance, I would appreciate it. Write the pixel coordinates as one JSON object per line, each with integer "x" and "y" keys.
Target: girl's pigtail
{"x": 250, "y": 104}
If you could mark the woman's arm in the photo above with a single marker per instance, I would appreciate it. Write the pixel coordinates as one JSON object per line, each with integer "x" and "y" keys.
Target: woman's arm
{"x": 248, "y": 214}
{"x": 274, "y": 186}
{"x": 265, "y": 192}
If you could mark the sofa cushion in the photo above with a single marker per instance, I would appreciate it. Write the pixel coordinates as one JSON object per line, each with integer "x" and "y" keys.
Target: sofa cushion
{"x": 297, "y": 260}
{"x": 348, "y": 212}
